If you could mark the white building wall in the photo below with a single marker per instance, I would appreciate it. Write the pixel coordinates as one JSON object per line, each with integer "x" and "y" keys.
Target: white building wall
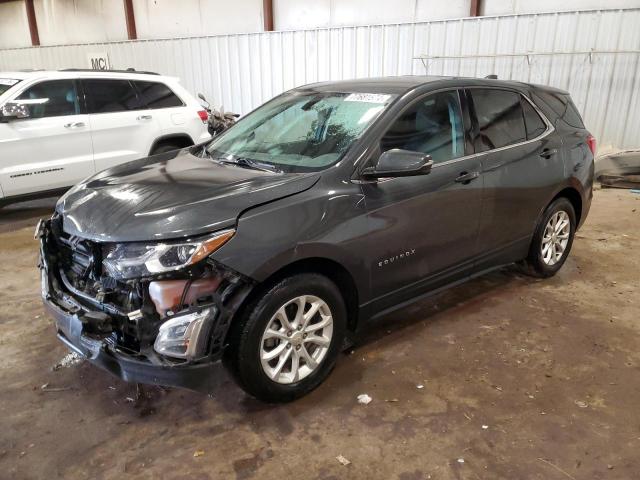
{"x": 14, "y": 27}
{"x": 63, "y": 22}
{"x": 188, "y": 18}
{"x": 508, "y": 7}
{"x": 297, "y": 14}
{"x": 82, "y": 21}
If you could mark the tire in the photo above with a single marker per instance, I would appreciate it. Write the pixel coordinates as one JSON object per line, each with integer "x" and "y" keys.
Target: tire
{"x": 248, "y": 345}
{"x": 165, "y": 147}
{"x": 541, "y": 261}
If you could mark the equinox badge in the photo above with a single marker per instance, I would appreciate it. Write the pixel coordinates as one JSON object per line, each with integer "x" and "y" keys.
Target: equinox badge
{"x": 400, "y": 256}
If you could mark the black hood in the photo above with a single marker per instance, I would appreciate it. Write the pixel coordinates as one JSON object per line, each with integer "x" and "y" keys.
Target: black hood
{"x": 172, "y": 195}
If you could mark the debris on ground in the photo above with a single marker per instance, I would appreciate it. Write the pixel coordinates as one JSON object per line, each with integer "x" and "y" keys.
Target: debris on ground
{"x": 198, "y": 453}
{"x": 392, "y": 400}
{"x": 69, "y": 360}
{"x": 364, "y": 399}
{"x": 629, "y": 180}
{"x": 343, "y": 460}
{"x": 420, "y": 387}
{"x": 581, "y": 404}
{"x": 461, "y": 460}
{"x": 484, "y": 427}
{"x": 47, "y": 388}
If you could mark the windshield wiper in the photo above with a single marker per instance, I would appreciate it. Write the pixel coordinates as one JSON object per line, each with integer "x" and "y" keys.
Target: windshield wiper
{"x": 248, "y": 163}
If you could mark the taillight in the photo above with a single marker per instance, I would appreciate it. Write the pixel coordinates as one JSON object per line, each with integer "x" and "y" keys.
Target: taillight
{"x": 591, "y": 141}
{"x": 204, "y": 116}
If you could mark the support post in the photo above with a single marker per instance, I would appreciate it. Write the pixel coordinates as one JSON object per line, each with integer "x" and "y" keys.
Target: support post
{"x": 33, "y": 24}
{"x": 475, "y": 8}
{"x": 130, "y": 19}
{"x": 267, "y": 11}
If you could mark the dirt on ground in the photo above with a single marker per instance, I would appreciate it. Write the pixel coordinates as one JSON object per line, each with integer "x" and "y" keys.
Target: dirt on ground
{"x": 504, "y": 377}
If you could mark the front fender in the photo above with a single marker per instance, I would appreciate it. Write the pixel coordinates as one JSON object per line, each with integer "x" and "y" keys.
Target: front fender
{"x": 318, "y": 223}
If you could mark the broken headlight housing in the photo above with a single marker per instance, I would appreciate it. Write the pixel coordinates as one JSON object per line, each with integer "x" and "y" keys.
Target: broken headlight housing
{"x": 134, "y": 260}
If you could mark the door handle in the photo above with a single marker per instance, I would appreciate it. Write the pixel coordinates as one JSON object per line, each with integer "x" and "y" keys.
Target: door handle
{"x": 144, "y": 117}
{"x": 467, "y": 177}
{"x": 548, "y": 152}
{"x": 74, "y": 125}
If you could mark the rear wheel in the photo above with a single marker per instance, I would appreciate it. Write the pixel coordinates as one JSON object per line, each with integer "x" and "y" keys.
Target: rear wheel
{"x": 552, "y": 239}
{"x": 288, "y": 338}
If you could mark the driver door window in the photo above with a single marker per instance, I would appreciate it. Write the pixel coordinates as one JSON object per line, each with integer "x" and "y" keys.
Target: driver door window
{"x": 432, "y": 125}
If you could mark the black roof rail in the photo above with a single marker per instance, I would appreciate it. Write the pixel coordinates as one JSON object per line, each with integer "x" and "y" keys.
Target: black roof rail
{"x": 128, "y": 70}
{"x": 493, "y": 76}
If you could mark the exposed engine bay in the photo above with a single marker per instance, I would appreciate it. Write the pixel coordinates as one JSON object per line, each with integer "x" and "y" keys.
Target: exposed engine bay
{"x": 165, "y": 318}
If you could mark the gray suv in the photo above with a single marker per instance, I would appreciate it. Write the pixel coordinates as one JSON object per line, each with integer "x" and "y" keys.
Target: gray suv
{"x": 273, "y": 245}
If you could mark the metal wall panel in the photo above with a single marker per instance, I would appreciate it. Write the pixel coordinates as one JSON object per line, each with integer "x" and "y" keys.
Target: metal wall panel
{"x": 242, "y": 71}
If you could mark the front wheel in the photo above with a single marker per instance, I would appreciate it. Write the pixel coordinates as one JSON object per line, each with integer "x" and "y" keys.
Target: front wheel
{"x": 288, "y": 338}
{"x": 552, "y": 239}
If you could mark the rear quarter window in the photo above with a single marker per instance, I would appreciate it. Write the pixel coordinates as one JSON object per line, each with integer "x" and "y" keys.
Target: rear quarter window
{"x": 562, "y": 106}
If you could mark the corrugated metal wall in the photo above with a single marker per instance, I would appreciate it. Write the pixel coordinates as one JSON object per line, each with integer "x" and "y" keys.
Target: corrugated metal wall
{"x": 242, "y": 71}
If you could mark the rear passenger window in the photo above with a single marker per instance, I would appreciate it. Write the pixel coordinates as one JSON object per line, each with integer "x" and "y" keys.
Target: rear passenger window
{"x": 108, "y": 96}
{"x": 157, "y": 95}
{"x": 533, "y": 122}
{"x": 500, "y": 118}
{"x": 432, "y": 125}
{"x": 58, "y": 99}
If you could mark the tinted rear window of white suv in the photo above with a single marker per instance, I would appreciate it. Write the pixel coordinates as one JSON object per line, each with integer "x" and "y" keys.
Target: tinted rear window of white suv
{"x": 157, "y": 95}
{"x": 110, "y": 96}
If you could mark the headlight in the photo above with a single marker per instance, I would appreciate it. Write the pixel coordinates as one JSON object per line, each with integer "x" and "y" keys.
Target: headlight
{"x": 133, "y": 260}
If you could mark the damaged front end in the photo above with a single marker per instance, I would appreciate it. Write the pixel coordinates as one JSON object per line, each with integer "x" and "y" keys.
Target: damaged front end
{"x": 149, "y": 313}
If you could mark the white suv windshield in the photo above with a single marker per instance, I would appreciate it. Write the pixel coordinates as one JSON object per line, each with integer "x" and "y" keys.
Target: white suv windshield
{"x": 300, "y": 131}
{"x": 6, "y": 84}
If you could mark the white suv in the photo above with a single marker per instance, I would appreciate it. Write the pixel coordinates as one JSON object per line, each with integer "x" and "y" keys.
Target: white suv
{"x": 58, "y": 127}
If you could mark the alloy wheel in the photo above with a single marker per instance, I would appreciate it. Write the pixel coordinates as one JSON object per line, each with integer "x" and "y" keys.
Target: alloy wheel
{"x": 555, "y": 237}
{"x": 297, "y": 339}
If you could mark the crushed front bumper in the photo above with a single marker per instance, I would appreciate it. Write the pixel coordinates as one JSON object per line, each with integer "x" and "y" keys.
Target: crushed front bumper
{"x": 68, "y": 313}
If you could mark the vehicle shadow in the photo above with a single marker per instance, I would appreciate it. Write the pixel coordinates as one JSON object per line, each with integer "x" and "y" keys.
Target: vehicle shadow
{"x": 469, "y": 293}
{"x": 25, "y": 214}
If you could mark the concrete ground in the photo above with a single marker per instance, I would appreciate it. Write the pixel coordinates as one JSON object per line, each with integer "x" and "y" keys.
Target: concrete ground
{"x": 505, "y": 377}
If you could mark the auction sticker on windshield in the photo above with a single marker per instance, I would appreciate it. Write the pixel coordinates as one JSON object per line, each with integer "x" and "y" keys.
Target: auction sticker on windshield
{"x": 367, "y": 97}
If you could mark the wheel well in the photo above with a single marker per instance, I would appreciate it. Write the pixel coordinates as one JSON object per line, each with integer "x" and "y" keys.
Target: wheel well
{"x": 574, "y": 197}
{"x": 180, "y": 140}
{"x": 330, "y": 269}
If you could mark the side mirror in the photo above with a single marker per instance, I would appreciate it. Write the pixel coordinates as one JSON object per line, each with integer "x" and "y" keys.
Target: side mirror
{"x": 400, "y": 163}
{"x": 14, "y": 111}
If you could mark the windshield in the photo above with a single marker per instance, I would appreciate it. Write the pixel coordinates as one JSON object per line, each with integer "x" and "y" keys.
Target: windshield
{"x": 6, "y": 84}
{"x": 300, "y": 131}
